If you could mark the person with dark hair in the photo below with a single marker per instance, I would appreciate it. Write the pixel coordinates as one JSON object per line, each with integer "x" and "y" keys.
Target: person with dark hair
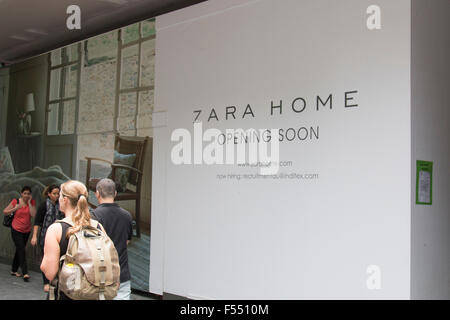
{"x": 117, "y": 224}
{"x": 24, "y": 208}
{"x": 47, "y": 213}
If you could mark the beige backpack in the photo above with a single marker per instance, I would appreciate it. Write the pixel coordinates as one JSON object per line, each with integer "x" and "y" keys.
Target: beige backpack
{"x": 90, "y": 269}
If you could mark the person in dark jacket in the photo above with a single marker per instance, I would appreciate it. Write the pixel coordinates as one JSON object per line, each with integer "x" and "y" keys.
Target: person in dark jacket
{"x": 47, "y": 213}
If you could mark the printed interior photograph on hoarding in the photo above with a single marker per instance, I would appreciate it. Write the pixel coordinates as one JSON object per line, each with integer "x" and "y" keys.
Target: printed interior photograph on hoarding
{"x": 83, "y": 112}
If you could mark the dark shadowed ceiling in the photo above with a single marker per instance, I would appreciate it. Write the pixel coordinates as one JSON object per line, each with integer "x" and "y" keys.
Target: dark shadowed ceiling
{"x": 32, "y": 27}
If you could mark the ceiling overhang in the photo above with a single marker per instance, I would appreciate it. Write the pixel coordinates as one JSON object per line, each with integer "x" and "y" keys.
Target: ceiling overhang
{"x": 29, "y": 28}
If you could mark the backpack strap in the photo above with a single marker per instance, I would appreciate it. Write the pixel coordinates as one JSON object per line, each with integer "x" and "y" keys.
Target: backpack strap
{"x": 66, "y": 220}
{"x": 101, "y": 258}
{"x": 97, "y": 225}
{"x": 52, "y": 288}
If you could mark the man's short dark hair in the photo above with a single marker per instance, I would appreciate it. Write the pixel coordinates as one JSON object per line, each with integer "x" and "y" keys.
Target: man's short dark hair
{"x": 107, "y": 188}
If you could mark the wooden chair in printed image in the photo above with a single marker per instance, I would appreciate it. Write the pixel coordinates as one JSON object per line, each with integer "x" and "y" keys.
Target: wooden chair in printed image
{"x": 128, "y": 177}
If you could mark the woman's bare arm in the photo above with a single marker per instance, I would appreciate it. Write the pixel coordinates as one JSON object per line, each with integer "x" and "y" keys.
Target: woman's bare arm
{"x": 32, "y": 208}
{"x": 10, "y": 208}
{"x": 50, "y": 261}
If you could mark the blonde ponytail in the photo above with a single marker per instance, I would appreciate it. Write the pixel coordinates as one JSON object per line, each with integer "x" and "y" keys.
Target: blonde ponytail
{"x": 77, "y": 193}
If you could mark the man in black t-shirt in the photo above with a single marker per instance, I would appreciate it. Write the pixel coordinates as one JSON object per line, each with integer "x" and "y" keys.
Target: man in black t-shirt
{"x": 117, "y": 224}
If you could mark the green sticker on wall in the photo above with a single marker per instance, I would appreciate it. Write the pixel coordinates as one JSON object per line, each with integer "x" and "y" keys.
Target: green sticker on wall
{"x": 424, "y": 182}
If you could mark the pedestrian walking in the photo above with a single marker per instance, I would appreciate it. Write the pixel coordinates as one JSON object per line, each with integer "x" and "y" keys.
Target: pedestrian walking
{"x": 118, "y": 226}
{"x": 24, "y": 209}
{"x": 47, "y": 213}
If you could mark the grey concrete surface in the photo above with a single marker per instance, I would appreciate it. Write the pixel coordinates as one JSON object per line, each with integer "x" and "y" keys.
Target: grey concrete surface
{"x": 14, "y": 288}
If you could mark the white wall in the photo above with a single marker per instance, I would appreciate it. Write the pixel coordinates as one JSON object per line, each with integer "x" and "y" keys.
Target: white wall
{"x": 430, "y": 270}
{"x": 285, "y": 239}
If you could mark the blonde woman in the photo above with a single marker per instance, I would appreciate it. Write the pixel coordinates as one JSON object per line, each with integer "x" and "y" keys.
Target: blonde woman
{"x": 73, "y": 202}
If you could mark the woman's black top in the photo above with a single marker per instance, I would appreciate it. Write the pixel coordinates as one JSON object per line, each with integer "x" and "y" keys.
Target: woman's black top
{"x": 40, "y": 214}
{"x": 63, "y": 243}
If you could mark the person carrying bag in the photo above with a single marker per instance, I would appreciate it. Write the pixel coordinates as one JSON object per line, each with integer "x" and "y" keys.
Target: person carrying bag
{"x": 19, "y": 212}
{"x": 79, "y": 257}
{"x": 8, "y": 218}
